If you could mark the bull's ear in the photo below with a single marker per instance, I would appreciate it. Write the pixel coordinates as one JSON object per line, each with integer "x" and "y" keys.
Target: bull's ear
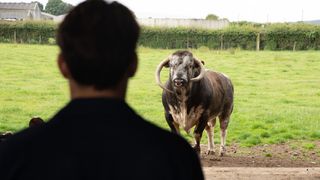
{"x": 197, "y": 65}
{"x": 166, "y": 64}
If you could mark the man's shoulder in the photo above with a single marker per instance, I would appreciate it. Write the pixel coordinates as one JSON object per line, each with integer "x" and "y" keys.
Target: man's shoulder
{"x": 23, "y": 138}
{"x": 16, "y": 149}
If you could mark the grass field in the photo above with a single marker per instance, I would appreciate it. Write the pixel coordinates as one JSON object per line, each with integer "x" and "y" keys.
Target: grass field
{"x": 277, "y": 94}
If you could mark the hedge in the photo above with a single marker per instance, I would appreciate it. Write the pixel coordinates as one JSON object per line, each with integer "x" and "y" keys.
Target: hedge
{"x": 244, "y": 38}
{"x": 27, "y": 32}
{"x": 271, "y": 37}
{"x": 292, "y": 36}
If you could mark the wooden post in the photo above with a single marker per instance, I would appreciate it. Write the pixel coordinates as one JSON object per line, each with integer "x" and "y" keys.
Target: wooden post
{"x": 15, "y": 37}
{"x": 221, "y": 42}
{"x": 294, "y": 46}
{"x": 258, "y": 42}
{"x": 40, "y": 39}
{"x": 187, "y": 43}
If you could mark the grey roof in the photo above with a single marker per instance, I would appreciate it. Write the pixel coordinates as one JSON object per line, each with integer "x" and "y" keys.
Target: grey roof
{"x": 29, "y": 6}
{"x": 47, "y": 14}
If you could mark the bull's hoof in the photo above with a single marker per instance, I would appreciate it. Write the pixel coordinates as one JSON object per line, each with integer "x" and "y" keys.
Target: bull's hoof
{"x": 197, "y": 149}
{"x": 210, "y": 152}
{"x": 222, "y": 151}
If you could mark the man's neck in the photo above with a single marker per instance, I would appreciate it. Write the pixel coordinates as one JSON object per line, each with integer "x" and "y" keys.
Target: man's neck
{"x": 78, "y": 91}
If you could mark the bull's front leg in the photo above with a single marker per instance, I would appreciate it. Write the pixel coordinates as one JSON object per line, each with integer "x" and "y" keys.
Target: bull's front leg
{"x": 198, "y": 130}
{"x": 173, "y": 126}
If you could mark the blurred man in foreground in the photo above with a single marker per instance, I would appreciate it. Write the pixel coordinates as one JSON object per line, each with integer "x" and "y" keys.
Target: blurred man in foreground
{"x": 97, "y": 135}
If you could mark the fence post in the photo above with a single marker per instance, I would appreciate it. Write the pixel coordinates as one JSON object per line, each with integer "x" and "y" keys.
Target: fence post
{"x": 294, "y": 46}
{"x": 40, "y": 39}
{"x": 221, "y": 42}
{"x": 258, "y": 42}
{"x": 15, "y": 36}
{"x": 187, "y": 42}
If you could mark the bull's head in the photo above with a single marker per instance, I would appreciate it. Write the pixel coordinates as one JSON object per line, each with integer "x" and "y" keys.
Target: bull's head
{"x": 184, "y": 69}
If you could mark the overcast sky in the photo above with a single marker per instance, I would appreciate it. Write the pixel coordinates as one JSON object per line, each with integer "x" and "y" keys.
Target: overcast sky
{"x": 234, "y": 10}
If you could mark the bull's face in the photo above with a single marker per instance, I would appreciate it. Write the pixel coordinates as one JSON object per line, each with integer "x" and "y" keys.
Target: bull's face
{"x": 184, "y": 69}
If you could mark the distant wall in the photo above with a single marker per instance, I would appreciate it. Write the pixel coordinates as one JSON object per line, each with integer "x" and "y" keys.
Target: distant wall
{"x": 194, "y": 23}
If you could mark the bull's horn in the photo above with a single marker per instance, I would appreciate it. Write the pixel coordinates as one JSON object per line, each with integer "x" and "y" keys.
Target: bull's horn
{"x": 202, "y": 71}
{"x": 159, "y": 68}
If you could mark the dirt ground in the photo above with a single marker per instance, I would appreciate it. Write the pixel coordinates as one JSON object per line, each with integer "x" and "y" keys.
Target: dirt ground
{"x": 291, "y": 154}
{"x": 256, "y": 173}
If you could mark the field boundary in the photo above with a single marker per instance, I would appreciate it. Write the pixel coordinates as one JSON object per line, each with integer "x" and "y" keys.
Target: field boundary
{"x": 247, "y": 37}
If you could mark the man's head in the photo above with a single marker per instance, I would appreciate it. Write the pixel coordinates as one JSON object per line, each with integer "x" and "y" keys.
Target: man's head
{"x": 98, "y": 41}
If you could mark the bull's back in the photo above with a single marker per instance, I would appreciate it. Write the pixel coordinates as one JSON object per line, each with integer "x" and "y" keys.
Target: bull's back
{"x": 220, "y": 80}
{"x": 222, "y": 90}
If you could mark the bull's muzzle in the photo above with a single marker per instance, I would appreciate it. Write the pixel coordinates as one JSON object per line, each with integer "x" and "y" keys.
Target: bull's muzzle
{"x": 179, "y": 82}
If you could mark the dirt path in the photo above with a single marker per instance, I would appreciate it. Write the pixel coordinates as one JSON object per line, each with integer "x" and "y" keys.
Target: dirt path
{"x": 227, "y": 173}
{"x": 281, "y": 161}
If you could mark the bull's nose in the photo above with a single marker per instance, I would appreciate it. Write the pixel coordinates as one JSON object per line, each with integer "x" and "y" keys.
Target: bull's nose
{"x": 178, "y": 82}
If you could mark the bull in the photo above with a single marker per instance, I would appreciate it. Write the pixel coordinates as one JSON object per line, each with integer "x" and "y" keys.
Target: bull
{"x": 195, "y": 97}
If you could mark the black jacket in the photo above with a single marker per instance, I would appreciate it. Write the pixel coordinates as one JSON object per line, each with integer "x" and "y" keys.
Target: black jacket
{"x": 97, "y": 139}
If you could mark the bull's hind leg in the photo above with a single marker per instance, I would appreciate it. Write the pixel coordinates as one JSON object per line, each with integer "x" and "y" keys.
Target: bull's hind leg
{"x": 210, "y": 132}
{"x": 224, "y": 121}
{"x": 224, "y": 118}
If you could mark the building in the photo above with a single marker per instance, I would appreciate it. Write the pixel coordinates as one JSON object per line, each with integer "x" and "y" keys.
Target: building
{"x": 23, "y": 11}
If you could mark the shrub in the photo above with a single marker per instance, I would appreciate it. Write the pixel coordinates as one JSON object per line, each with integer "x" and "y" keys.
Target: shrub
{"x": 27, "y": 32}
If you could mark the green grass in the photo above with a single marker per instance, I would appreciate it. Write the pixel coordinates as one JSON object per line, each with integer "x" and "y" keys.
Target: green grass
{"x": 277, "y": 94}
{"x": 268, "y": 155}
{"x": 309, "y": 146}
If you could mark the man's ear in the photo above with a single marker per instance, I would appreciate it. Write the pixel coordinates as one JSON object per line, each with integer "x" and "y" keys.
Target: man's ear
{"x": 133, "y": 66}
{"x": 64, "y": 70}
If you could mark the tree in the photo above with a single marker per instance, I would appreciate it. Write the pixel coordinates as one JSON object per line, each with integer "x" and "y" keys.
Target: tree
{"x": 58, "y": 7}
{"x": 40, "y": 5}
{"x": 212, "y": 17}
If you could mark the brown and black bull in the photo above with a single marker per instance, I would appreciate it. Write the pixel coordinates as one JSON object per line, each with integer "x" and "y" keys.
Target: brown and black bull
{"x": 194, "y": 96}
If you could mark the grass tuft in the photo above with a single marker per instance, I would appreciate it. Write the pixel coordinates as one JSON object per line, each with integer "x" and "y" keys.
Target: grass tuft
{"x": 309, "y": 146}
{"x": 268, "y": 155}
{"x": 315, "y": 135}
{"x": 252, "y": 140}
{"x": 265, "y": 135}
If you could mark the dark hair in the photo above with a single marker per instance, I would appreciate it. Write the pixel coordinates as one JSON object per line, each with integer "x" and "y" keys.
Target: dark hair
{"x": 98, "y": 42}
